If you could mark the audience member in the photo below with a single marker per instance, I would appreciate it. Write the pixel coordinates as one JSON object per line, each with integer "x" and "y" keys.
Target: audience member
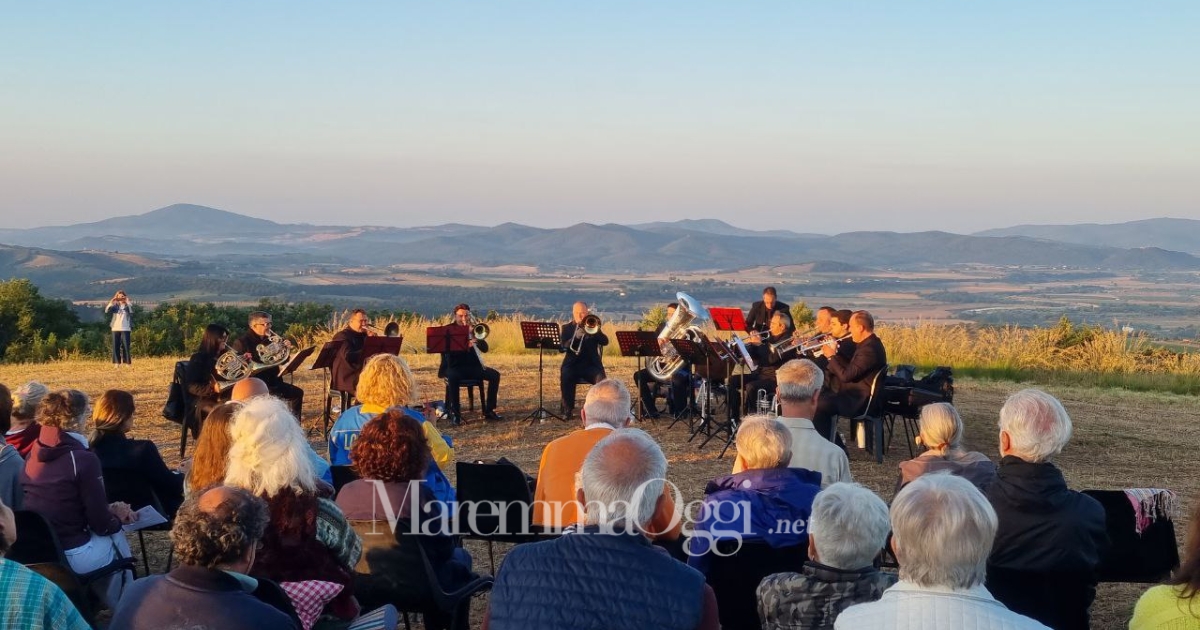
{"x": 113, "y": 418}
{"x": 941, "y": 434}
{"x": 605, "y": 409}
{"x": 772, "y": 492}
{"x": 1175, "y": 604}
{"x": 308, "y": 537}
{"x": 251, "y": 387}
{"x": 847, "y": 530}
{"x": 391, "y": 456}
{"x": 942, "y": 531}
{"x": 24, "y": 428}
{"x": 387, "y": 382}
{"x": 607, "y": 575}
{"x": 211, "y": 457}
{"x": 799, "y": 384}
{"x": 79, "y": 407}
{"x": 248, "y": 388}
{"x": 214, "y": 536}
{"x": 11, "y": 462}
{"x": 27, "y": 600}
{"x": 1050, "y": 538}
{"x": 62, "y": 482}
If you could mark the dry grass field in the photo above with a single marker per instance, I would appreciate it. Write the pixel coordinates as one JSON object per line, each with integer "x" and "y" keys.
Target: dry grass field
{"x": 1122, "y": 439}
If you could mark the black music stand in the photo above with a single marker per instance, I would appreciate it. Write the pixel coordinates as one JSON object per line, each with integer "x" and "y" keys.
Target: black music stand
{"x": 733, "y": 320}
{"x": 713, "y": 352}
{"x": 374, "y": 344}
{"x": 543, "y": 336}
{"x": 324, "y": 361}
{"x": 694, "y": 354}
{"x": 294, "y": 364}
{"x": 639, "y": 344}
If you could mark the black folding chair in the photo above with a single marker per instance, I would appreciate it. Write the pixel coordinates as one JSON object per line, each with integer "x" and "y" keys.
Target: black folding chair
{"x": 342, "y": 475}
{"x": 734, "y": 576}
{"x": 38, "y": 548}
{"x": 485, "y": 484}
{"x": 417, "y": 590}
{"x": 131, "y": 487}
{"x": 179, "y": 387}
{"x": 872, "y": 415}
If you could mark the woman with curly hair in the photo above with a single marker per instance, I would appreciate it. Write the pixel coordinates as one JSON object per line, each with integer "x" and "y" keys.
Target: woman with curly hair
{"x": 386, "y": 382}
{"x": 62, "y": 482}
{"x": 1175, "y": 604}
{"x": 391, "y": 456}
{"x": 113, "y": 419}
{"x": 308, "y": 538}
{"x": 210, "y": 460}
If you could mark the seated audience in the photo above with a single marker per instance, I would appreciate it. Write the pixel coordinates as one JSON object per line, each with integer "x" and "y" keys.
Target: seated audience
{"x": 62, "y": 482}
{"x": 27, "y": 600}
{"x": 847, "y": 530}
{"x": 214, "y": 538}
{"x": 608, "y": 574}
{"x": 308, "y": 537}
{"x": 24, "y": 428}
{"x": 771, "y": 491}
{"x": 941, "y": 434}
{"x": 210, "y": 459}
{"x": 251, "y": 387}
{"x": 799, "y": 384}
{"x": 1175, "y": 604}
{"x": 386, "y": 382}
{"x": 942, "y": 531}
{"x": 605, "y": 410}
{"x": 113, "y": 418}
{"x": 1050, "y": 538}
{"x": 391, "y": 457}
{"x": 11, "y": 462}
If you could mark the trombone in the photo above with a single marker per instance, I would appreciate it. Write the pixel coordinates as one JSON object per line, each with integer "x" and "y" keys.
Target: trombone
{"x": 480, "y": 331}
{"x": 590, "y": 326}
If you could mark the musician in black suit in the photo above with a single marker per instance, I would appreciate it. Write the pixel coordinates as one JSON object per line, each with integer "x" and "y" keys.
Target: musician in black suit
{"x": 767, "y": 360}
{"x": 679, "y": 387}
{"x": 467, "y": 365}
{"x": 201, "y": 381}
{"x": 583, "y": 358}
{"x": 759, "y": 318}
{"x": 247, "y": 345}
{"x": 839, "y": 329}
{"x": 348, "y": 362}
{"x": 854, "y": 375}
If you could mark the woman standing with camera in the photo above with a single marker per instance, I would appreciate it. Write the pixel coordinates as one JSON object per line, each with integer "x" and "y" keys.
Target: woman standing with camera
{"x": 121, "y": 325}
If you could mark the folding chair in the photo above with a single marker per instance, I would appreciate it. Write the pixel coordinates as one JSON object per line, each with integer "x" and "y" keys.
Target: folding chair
{"x": 129, "y": 486}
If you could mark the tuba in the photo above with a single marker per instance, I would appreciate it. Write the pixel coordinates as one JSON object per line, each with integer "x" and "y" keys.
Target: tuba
{"x": 678, "y": 327}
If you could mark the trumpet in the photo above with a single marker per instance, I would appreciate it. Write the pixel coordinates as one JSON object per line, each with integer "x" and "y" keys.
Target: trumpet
{"x": 815, "y": 342}
{"x": 589, "y": 326}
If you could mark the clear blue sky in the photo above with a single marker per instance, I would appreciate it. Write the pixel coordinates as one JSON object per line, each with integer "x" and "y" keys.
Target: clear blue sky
{"x": 820, "y": 116}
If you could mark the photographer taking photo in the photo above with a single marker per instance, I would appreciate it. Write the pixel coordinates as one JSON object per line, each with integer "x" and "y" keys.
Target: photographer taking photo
{"x": 122, "y": 322}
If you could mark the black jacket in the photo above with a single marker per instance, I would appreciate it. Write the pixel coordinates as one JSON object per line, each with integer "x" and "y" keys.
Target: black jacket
{"x": 348, "y": 363}
{"x": 759, "y": 318}
{"x": 855, "y": 375}
{"x": 200, "y": 375}
{"x": 141, "y": 456}
{"x": 1048, "y": 546}
{"x": 589, "y": 355}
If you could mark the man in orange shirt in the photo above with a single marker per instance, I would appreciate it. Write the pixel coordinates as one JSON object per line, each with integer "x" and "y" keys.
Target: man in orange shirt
{"x": 605, "y": 410}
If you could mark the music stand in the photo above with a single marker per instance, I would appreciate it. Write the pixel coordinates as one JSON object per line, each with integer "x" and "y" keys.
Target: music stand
{"x": 729, "y": 319}
{"x": 449, "y": 338}
{"x": 543, "y": 336}
{"x": 693, "y": 353}
{"x": 639, "y": 344}
{"x": 324, "y": 361}
{"x": 294, "y": 364}
{"x": 375, "y": 344}
{"x": 726, "y": 318}
{"x": 711, "y": 352}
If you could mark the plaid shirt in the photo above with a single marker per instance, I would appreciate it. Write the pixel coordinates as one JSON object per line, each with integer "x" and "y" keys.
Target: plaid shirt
{"x": 813, "y": 599}
{"x": 31, "y": 602}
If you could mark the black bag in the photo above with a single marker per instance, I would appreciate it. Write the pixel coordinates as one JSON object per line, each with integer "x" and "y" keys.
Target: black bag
{"x": 176, "y": 406}
{"x": 941, "y": 381}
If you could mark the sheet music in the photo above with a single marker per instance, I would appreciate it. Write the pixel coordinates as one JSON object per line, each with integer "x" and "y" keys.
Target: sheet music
{"x": 147, "y": 517}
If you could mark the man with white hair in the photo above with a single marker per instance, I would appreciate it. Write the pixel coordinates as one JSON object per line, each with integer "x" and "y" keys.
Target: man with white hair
{"x": 771, "y": 492}
{"x": 608, "y": 574}
{"x": 1051, "y": 538}
{"x": 942, "y": 530}
{"x": 799, "y": 383}
{"x": 605, "y": 410}
{"x": 848, "y": 527}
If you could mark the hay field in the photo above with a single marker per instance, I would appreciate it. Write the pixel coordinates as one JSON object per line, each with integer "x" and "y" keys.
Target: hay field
{"x": 1122, "y": 439}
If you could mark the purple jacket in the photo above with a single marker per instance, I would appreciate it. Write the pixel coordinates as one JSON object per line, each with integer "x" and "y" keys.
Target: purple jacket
{"x": 63, "y": 482}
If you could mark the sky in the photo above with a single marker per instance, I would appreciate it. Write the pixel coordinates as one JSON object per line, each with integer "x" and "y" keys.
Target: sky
{"x": 812, "y": 116}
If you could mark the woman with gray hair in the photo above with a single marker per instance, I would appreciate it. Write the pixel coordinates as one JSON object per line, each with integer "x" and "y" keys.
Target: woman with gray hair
{"x": 23, "y": 429}
{"x": 847, "y": 530}
{"x": 942, "y": 530}
{"x": 942, "y": 434}
{"x": 771, "y": 492}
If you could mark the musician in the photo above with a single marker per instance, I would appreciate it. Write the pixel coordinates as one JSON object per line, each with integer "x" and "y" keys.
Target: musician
{"x": 348, "y": 361}
{"x": 467, "y": 365}
{"x": 854, "y": 374}
{"x": 247, "y": 345}
{"x": 201, "y": 380}
{"x": 679, "y": 387}
{"x": 764, "y": 355}
{"x": 759, "y": 318}
{"x": 587, "y": 365}
{"x": 839, "y": 328}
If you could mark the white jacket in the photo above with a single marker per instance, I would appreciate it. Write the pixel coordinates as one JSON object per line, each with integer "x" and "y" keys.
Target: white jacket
{"x": 907, "y": 606}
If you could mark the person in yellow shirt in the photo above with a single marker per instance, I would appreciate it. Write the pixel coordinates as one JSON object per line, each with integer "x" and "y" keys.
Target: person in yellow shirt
{"x": 1175, "y": 605}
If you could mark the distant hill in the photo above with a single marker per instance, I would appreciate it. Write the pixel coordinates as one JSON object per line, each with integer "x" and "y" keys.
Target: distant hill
{"x": 713, "y": 226}
{"x": 1181, "y": 235}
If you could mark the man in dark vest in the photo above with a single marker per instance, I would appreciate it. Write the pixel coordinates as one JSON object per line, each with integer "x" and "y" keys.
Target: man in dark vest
{"x": 605, "y": 574}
